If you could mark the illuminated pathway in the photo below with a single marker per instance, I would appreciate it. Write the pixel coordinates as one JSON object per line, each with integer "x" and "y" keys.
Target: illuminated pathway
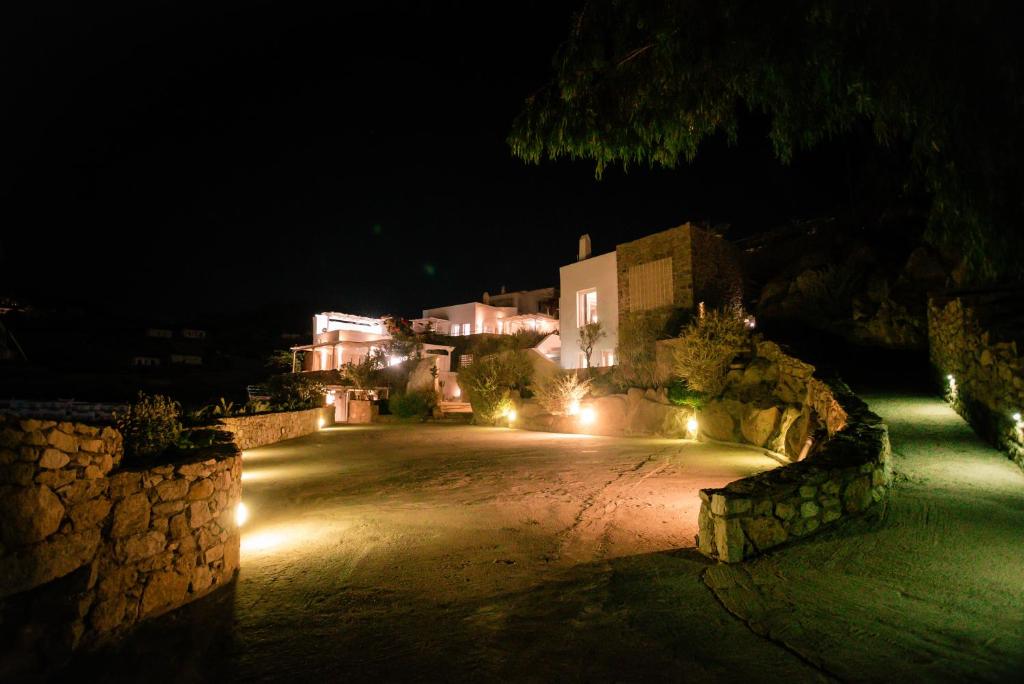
{"x": 932, "y": 590}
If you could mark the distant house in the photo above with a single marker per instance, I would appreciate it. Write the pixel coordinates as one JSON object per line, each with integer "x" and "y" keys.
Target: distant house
{"x": 645, "y": 284}
{"x": 503, "y": 314}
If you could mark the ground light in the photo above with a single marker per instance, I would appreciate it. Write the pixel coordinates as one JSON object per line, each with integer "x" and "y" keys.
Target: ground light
{"x": 320, "y": 423}
{"x": 691, "y": 426}
{"x": 587, "y": 416}
{"x": 574, "y": 407}
{"x": 511, "y": 415}
{"x": 241, "y": 514}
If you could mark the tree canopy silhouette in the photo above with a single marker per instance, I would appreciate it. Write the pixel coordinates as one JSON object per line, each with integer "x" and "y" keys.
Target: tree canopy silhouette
{"x": 645, "y": 82}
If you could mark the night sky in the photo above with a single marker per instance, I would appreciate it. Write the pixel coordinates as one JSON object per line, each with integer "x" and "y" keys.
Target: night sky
{"x": 262, "y": 156}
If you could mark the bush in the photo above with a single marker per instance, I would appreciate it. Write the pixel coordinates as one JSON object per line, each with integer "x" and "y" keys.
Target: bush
{"x": 680, "y": 394}
{"x": 637, "y": 360}
{"x": 150, "y": 425}
{"x": 413, "y": 404}
{"x": 709, "y": 344}
{"x": 561, "y": 393}
{"x": 296, "y": 391}
{"x": 488, "y": 383}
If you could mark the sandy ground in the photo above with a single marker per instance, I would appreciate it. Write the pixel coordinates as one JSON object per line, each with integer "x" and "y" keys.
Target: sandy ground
{"x": 931, "y": 589}
{"x": 452, "y": 552}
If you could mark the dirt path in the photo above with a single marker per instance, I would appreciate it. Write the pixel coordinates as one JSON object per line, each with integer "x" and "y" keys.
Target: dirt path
{"x": 930, "y": 589}
{"x": 452, "y": 552}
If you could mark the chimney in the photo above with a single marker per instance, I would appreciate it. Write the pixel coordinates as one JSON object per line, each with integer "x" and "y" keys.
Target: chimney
{"x": 487, "y": 297}
{"x": 584, "y": 247}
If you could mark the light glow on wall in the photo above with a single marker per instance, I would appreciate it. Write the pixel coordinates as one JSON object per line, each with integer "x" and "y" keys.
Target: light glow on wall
{"x": 588, "y": 416}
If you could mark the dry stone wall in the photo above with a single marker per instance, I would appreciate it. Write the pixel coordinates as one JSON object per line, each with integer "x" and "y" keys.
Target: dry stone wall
{"x": 846, "y": 474}
{"x": 90, "y": 545}
{"x": 250, "y": 432}
{"x": 968, "y": 342}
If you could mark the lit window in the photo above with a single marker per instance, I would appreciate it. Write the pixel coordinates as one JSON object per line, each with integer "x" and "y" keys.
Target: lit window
{"x": 465, "y": 329}
{"x": 454, "y": 331}
{"x": 607, "y": 358}
{"x": 586, "y": 307}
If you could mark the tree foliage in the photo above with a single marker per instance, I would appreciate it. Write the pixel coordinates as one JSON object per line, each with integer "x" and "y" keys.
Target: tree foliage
{"x": 561, "y": 393}
{"x": 645, "y": 82}
{"x": 150, "y": 425}
{"x": 590, "y": 334}
{"x": 488, "y": 382}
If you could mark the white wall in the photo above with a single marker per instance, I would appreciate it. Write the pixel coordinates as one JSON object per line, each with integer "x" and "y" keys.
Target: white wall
{"x": 597, "y": 272}
{"x": 480, "y": 317}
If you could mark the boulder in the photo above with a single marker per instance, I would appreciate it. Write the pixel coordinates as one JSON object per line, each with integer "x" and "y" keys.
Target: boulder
{"x": 758, "y": 424}
{"x": 717, "y": 422}
{"x": 29, "y": 515}
{"x": 89, "y": 513}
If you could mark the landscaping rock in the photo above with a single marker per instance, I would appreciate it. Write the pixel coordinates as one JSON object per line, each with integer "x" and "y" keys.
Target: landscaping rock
{"x": 29, "y": 515}
{"x": 131, "y": 515}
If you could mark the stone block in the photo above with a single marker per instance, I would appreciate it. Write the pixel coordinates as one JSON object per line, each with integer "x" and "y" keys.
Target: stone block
{"x": 141, "y": 546}
{"x": 172, "y": 490}
{"x": 131, "y": 516}
{"x": 857, "y": 496}
{"x": 727, "y": 505}
{"x": 201, "y": 489}
{"x": 108, "y": 615}
{"x": 199, "y": 514}
{"x": 178, "y": 527}
{"x": 93, "y": 445}
{"x": 40, "y": 563}
{"x": 784, "y": 510}
{"x": 29, "y": 515}
{"x": 763, "y": 507}
{"x": 21, "y": 474}
{"x": 808, "y": 491}
{"x": 92, "y": 472}
{"x": 729, "y": 539}
{"x": 232, "y": 551}
{"x": 89, "y": 513}
{"x": 62, "y": 441}
{"x": 166, "y": 508}
{"x": 163, "y": 590}
{"x": 765, "y": 532}
{"x": 124, "y": 484}
{"x": 34, "y": 438}
{"x": 808, "y": 509}
{"x": 214, "y": 553}
{"x": 55, "y": 478}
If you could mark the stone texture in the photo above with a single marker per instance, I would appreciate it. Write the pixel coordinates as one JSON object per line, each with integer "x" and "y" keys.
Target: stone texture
{"x": 765, "y": 532}
{"x": 250, "y": 432}
{"x": 758, "y": 424}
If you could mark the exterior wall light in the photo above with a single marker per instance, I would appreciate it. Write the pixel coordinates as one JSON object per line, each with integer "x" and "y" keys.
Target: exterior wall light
{"x": 691, "y": 426}
{"x": 241, "y": 514}
{"x": 587, "y": 416}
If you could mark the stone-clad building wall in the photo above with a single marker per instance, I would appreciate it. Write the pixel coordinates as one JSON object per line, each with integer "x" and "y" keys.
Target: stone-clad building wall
{"x": 965, "y": 341}
{"x": 90, "y": 545}
{"x": 250, "y": 432}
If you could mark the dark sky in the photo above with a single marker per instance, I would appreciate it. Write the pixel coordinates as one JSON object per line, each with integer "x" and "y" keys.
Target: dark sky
{"x": 297, "y": 157}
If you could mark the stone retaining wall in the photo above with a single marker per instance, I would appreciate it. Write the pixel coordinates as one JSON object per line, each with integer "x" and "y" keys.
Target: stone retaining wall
{"x": 968, "y": 342}
{"x": 261, "y": 429}
{"x": 846, "y": 473}
{"x": 90, "y": 545}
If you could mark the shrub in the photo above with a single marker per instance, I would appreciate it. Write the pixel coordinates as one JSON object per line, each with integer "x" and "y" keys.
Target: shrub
{"x": 708, "y": 345}
{"x": 413, "y": 404}
{"x": 150, "y": 425}
{"x": 364, "y": 373}
{"x": 296, "y": 391}
{"x": 637, "y": 360}
{"x": 561, "y": 393}
{"x": 680, "y": 394}
{"x": 488, "y": 383}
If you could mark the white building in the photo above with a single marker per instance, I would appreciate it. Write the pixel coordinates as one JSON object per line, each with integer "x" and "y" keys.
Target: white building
{"x": 590, "y": 294}
{"x": 478, "y": 318}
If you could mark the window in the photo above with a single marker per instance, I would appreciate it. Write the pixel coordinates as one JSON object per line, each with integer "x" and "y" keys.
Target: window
{"x": 465, "y": 329}
{"x": 650, "y": 285}
{"x": 454, "y": 331}
{"x": 586, "y": 307}
{"x": 607, "y": 358}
